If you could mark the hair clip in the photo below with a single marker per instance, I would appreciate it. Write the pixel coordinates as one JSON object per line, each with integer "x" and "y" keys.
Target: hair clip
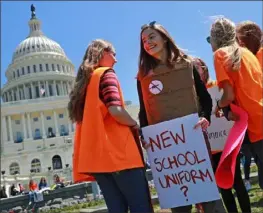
{"x": 151, "y": 24}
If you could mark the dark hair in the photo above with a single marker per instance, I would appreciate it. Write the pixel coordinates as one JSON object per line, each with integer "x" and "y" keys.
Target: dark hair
{"x": 43, "y": 179}
{"x": 90, "y": 62}
{"x": 250, "y": 34}
{"x": 148, "y": 62}
{"x": 204, "y": 68}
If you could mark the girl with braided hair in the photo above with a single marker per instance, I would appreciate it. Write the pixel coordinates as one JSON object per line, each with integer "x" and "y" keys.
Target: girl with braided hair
{"x": 239, "y": 75}
{"x": 105, "y": 147}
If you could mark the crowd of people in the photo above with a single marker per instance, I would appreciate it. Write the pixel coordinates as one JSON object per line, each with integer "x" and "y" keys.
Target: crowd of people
{"x": 33, "y": 187}
{"x": 108, "y": 140}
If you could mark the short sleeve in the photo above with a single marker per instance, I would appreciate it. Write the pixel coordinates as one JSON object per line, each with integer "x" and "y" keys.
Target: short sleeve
{"x": 109, "y": 91}
{"x": 220, "y": 70}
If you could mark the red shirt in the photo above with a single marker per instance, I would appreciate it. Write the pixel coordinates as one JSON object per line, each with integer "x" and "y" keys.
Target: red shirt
{"x": 33, "y": 187}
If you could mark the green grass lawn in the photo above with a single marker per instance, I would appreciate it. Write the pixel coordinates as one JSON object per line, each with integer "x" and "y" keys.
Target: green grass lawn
{"x": 76, "y": 208}
{"x": 255, "y": 194}
{"x": 256, "y": 199}
{"x": 253, "y": 169}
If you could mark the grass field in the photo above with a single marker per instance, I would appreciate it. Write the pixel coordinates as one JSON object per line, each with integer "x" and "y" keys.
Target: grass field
{"x": 255, "y": 194}
{"x": 256, "y": 199}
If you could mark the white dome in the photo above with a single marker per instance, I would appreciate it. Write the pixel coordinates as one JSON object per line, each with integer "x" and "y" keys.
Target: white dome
{"x": 37, "y": 44}
{"x": 38, "y": 62}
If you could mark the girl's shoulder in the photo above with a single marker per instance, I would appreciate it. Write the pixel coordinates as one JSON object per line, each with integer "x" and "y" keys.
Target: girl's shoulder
{"x": 220, "y": 54}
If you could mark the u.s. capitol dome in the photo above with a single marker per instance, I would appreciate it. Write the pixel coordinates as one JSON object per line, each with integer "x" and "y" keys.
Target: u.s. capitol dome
{"x": 37, "y": 135}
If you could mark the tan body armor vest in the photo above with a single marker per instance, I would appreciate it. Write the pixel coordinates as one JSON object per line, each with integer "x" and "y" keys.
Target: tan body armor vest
{"x": 169, "y": 93}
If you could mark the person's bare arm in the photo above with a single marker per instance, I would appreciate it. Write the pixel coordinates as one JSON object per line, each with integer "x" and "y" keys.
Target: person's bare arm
{"x": 122, "y": 116}
{"x": 227, "y": 98}
{"x": 111, "y": 97}
{"x": 228, "y": 95}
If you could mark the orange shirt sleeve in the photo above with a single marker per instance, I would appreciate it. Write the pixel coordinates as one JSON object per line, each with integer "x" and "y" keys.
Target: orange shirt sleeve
{"x": 220, "y": 70}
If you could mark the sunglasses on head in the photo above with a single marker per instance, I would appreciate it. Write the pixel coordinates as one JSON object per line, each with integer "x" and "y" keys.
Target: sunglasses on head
{"x": 208, "y": 39}
{"x": 151, "y": 24}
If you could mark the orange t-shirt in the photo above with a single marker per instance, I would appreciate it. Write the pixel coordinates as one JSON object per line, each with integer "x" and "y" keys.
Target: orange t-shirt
{"x": 248, "y": 88}
{"x": 259, "y": 56}
{"x": 33, "y": 187}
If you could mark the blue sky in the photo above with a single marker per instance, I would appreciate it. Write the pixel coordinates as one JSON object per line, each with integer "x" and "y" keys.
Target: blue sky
{"x": 74, "y": 24}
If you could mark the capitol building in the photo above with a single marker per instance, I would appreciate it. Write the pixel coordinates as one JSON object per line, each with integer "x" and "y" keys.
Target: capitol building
{"x": 37, "y": 136}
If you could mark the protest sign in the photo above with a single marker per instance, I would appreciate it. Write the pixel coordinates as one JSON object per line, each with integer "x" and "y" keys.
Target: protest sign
{"x": 219, "y": 128}
{"x": 180, "y": 162}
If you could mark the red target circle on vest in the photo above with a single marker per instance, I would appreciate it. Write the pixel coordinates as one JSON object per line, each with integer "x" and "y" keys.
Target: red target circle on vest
{"x": 155, "y": 87}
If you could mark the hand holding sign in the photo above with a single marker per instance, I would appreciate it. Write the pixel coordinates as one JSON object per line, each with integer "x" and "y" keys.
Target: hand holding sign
{"x": 180, "y": 162}
{"x": 218, "y": 112}
{"x": 203, "y": 122}
{"x": 218, "y": 130}
{"x": 145, "y": 145}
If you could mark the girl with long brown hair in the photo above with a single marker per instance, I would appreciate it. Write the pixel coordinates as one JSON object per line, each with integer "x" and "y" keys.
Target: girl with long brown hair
{"x": 249, "y": 35}
{"x": 202, "y": 69}
{"x": 180, "y": 89}
{"x": 42, "y": 183}
{"x": 105, "y": 146}
{"x": 239, "y": 75}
